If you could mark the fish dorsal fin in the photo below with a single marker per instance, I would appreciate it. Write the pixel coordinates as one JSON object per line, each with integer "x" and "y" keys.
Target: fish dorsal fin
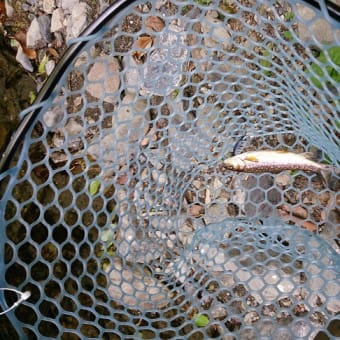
{"x": 239, "y": 145}
{"x": 307, "y": 155}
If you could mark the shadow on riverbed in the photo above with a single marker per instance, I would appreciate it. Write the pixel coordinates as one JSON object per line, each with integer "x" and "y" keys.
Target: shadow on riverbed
{"x": 15, "y": 88}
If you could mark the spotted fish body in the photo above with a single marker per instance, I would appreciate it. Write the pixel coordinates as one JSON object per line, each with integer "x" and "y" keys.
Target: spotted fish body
{"x": 271, "y": 161}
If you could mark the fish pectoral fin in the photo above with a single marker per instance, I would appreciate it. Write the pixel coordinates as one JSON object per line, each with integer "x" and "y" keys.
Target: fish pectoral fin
{"x": 251, "y": 158}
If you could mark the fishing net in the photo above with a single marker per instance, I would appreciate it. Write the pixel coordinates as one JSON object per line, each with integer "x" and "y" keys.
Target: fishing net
{"x": 118, "y": 216}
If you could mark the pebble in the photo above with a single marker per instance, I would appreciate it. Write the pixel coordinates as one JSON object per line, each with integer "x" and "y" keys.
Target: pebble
{"x": 49, "y": 67}
{"x": 22, "y": 58}
{"x": 101, "y": 82}
{"x": 68, "y": 5}
{"x": 321, "y": 29}
{"x": 39, "y": 33}
{"x": 65, "y": 18}
{"x": 49, "y": 6}
{"x": 53, "y": 117}
{"x": 78, "y": 20}
{"x": 9, "y": 9}
{"x": 34, "y": 36}
{"x": 57, "y": 20}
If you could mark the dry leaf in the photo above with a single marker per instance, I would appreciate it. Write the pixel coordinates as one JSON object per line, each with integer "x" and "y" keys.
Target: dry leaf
{"x": 300, "y": 212}
{"x": 144, "y": 42}
{"x": 51, "y": 52}
{"x": 154, "y": 23}
{"x": 122, "y": 179}
{"x": 145, "y": 142}
{"x": 284, "y": 213}
{"x": 309, "y": 226}
{"x": 2, "y": 12}
{"x": 20, "y": 36}
{"x": 196, "y": 210}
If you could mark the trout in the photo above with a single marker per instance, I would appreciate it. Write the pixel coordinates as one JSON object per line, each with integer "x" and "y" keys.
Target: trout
{"x": 273, "y": 161}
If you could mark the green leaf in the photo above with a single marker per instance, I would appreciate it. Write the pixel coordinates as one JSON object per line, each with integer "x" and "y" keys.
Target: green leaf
{"x": 201, "y": 320}
{"x": 317, "y": 70}
{"x": 266, "y": 62}
{"x": 289, "y": 16}
{"x": 32, "y": 97}
{"x": 105, "y": 263}
{"x": 107, "y": 235}
{"x": 293, "y": 173}
{"x": 334, "y": 54}
{"x": 203, "y": 2}
{"x": 175, "y": 93}
{"x": 288, "y": 35}
{"x": 335, "y": 75}
{"x": 42, "y": 65}
{"x": 94, "y": 187}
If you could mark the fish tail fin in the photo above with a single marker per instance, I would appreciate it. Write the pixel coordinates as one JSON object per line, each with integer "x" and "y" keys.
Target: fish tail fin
{"x": 327, "y": 173}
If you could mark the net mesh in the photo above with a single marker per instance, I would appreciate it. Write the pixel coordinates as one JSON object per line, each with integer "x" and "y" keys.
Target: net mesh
{"x": 119, "y": 216}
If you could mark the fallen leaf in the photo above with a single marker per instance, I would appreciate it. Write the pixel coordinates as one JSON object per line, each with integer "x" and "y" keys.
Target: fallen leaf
{"x": 51, "y": 52}
{"x": 201, "y": 320}
{"x": 300, "y": 212}
{"x": 94, "y": 187}
{"x": 122, "y": 179}
{"x": 20, "y": 36}
{"x": 196, "y": 210}
{"x": 144, "y": 42}
{"x": 309, "y": 226}
{"x": 284, "y": 213}
{"x": 154, "y": 23}
{"x": 144, "y": 142}
{"x": 42, "y": 65}
{"x": 2, "y": 12}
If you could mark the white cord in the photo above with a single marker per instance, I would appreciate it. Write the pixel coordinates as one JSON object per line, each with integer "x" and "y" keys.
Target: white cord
{"x": 23, "y": 296}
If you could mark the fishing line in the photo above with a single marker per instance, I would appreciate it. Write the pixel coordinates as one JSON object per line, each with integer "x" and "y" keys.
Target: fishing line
{"x": 23, "y": 296}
